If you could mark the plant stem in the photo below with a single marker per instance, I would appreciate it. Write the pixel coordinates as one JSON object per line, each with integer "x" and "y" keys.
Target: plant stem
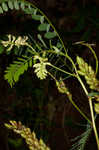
{"x": 31, "y": 48}
{"x": 93, "y": 52}
{"x": 91, "y": 111}
{"x": 77, "y": 108}
{"x": 90, "y": 100}
{"x": 73, "y": 103}
{"x": 93, "y": 122}
{"x": 62, "y": 70}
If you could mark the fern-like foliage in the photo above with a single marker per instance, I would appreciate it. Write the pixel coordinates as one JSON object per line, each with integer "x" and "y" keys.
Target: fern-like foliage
{"x": 16, "y": 69}
{"x": 82, "y": 139}
{"x": 44, "y": 30}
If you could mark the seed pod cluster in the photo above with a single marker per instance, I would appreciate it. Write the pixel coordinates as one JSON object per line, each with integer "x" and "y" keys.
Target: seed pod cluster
{"x": 89, "y": 74}
{"x": 30, "y": 137}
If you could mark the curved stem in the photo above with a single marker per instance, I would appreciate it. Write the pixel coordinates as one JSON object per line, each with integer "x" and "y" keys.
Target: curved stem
{"x": 93, "y": 52}
{"x": 62, "y": 70}
{"x": 31, "y": 48}
{"x": 90, "y": 101}
{"x": 79, "y": 110}
{"x": 70, "y": 59}
{"x": 50, "y": 25}
{"x": 73, "y": 103}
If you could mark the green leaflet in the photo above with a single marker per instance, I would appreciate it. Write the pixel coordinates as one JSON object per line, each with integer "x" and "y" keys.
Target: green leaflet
{"x": 10, "y": 4}
{"x": 22, "y": 5}
{"x": 16, "y": 76}
{"x": 1, "y": 10}
{"x": 50, "y": 35}
{"x": 16, "y": 5}
{"x": 59, "y": 45}
{"x": 8, "y": 76}
{"x": 30, "y": 63}
{"x": 4, "y": 7}
{"x": 29, "y": 11}
{"x": 16, "y": 69}
{"x": 36, "y": 17}
{"x": 43, "y": 27}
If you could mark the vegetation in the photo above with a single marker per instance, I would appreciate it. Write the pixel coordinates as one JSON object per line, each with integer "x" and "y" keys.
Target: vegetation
{"x": 47, "y": 56}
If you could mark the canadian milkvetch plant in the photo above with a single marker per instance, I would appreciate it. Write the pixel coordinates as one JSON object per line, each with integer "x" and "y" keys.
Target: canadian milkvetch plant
{"x": 41, "y": 72}
{"x": 48, "y": 58}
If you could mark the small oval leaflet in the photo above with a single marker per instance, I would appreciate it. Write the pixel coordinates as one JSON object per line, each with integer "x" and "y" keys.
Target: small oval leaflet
{"x": 43, "y": 27}
{"x": 59, "y": 45}
{"x": 4, "y": 6}
{"x": 16, "y": 5}
{"x": 36, "y": 17}
{"x": 50, "y": 35}
{"x": 22, "y": 5}
{"x": 29, "y": 11}
{"x": 10, "y": 4}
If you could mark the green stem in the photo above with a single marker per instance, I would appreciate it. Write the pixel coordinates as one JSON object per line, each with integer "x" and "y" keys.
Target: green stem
{"x": 91, "y": 111}
{"x": 79, "y": 110}
{"x": 31, "y": 48}
{"x": 93, "y": 122}
{"x": 73, "y": 103}
{"x": 50, "y": 25}
{"x": 62, "y": 70}
{"x": 93, "y": 52}
{"x": 70, "y": 59}
{"x": 90, "y": 101}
